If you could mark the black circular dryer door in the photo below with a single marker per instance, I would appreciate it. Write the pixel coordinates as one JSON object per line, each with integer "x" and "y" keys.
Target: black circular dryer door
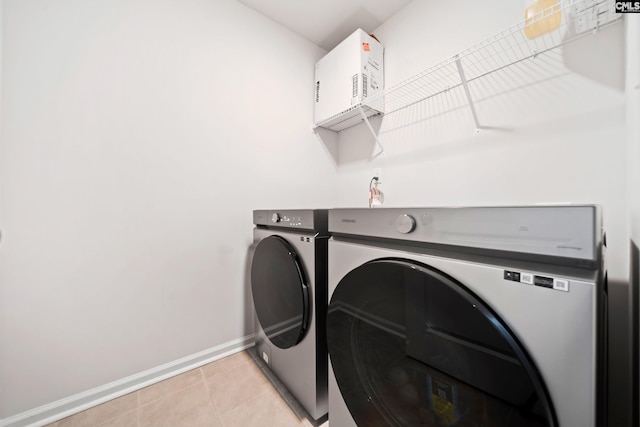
{"x": 280, "y": 292}
{"x": 410, "y": 346}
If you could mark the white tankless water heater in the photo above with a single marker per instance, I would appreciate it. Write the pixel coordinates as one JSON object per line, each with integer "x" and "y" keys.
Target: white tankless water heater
{"x": 346, "y": 78}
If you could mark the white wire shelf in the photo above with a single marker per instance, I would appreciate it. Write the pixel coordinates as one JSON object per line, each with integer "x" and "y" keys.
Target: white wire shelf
{"x": 577, "y": 19}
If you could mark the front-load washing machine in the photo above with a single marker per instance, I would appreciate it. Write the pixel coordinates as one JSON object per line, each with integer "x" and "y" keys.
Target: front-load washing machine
{"x": 466, "y": 317}
{"x": 289, "y": 288}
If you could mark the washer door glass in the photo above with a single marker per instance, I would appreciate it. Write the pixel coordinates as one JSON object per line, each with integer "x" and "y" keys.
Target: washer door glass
{"x": 411, "y": 346}
{"x": 280, "y": 292}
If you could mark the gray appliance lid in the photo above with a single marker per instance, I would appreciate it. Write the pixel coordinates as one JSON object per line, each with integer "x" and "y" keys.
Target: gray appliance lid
{"x": 569, "y": 231}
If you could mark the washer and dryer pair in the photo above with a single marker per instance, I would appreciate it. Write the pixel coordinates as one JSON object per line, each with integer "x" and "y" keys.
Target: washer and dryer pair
{"x": 490, "y": 316}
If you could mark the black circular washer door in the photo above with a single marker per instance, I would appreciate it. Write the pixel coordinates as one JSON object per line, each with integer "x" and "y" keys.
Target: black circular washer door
{"x": 411, "y": 346}
{"x": 280, "y": 292}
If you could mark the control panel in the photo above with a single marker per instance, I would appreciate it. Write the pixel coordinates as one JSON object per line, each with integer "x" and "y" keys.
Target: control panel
{"x": 286, "y": 220}
{"x": 405, "y": 224}
{"x": 568, "y": 235}
{"x": 306, "y": 219}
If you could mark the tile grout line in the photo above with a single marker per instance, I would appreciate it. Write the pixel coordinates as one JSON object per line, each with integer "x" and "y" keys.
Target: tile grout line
{"x": 282, "y": 392}
{"x": 203, "y": 378}
{"x": 206, "y": 386}
{"x": 172, "y": 391}
{"x": 137, "y": 408}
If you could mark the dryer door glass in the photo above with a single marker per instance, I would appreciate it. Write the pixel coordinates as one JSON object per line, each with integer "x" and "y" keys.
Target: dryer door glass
{"x": 280, "y": 292}
{"x": 411, "y": 346}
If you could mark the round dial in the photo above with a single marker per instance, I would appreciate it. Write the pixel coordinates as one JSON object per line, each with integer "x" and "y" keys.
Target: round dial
{"x": 275, "y": 217}
{"x": 405, "y": 224}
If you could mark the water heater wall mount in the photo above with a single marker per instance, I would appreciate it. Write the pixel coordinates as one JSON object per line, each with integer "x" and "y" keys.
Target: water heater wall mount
{"x": 352, "y": 72}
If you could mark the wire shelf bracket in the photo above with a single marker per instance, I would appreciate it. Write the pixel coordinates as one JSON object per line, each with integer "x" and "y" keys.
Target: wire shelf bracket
{"x": 577, "y": 19}
{"x": 373, "y": 132}
{"x": 463, "y": 79}
{"x": 572, "y": 20}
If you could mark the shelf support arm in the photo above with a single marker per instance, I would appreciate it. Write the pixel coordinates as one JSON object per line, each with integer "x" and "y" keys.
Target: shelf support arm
{"x": 463, "y": 79}
{"x": 373, "y": 132}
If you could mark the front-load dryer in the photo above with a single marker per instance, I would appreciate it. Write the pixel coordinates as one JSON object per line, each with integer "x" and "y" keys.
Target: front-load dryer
{"x": 289, "y": 289}
{"x": 466, "y": 317}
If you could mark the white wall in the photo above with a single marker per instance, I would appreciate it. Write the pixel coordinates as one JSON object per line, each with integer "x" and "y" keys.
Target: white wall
{"x": 633, "y": 121}
{"x": 562, "y": 139}
{"x": 137, "y": 137}
{"x": 633, "y": 178}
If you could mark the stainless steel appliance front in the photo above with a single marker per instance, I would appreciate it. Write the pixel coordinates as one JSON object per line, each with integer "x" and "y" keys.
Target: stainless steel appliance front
{"x": 289, "y": 290}
{"x": 431, "y": 333}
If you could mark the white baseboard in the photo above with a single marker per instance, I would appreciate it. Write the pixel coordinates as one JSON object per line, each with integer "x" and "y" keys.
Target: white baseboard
{"x": 62, "y": 408}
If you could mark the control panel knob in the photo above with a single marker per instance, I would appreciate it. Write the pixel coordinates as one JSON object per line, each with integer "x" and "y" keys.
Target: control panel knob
{"x": 275, "y": 217}
{"x": 405, "y": 224}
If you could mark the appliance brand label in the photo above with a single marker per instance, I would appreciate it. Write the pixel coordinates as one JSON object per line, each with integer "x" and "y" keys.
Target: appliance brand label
{"x": 349, "y": 221}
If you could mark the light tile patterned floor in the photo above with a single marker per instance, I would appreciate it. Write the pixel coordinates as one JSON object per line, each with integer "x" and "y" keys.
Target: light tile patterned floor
{"x": 232, "y": 392}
